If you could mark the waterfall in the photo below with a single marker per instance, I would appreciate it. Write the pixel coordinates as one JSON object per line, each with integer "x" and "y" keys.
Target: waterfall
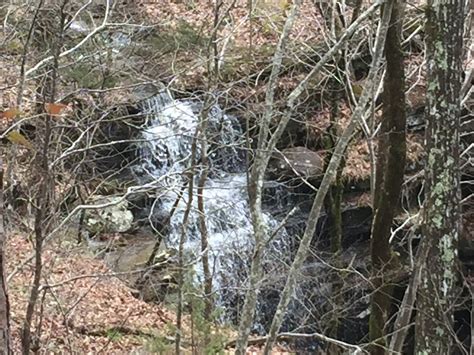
{"x": 165, "y": 156}
{"x": 169, "y": 133}
{"x": 171, "y": 127}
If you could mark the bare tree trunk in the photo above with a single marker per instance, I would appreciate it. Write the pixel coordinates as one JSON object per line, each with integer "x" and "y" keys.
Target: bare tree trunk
{"x": 4, "y": 304}
{"x": 333, "y": 204}
{"x": 264, "y": 152}
{"x": 42, "y": 213}
{"x": 208, "y": 308}
{"x": 256, "y": 186}
{"x": 402, "y": 322}
{"x": 329, "y": 176}
{"x": 390, "y": 170}
{"x": 182, "y": 241}
{"x": 441, "y": 219}
{"x": 213, "y": 76}
{"x": 334, "y": 210}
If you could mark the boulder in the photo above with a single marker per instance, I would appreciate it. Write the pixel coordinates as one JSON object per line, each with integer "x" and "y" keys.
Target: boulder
{"x": 115, "y": 218}
{"x": 297, "y": 161}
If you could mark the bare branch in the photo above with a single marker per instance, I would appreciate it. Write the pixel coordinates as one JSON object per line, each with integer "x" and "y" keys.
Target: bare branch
{"x": 91, "y": 34}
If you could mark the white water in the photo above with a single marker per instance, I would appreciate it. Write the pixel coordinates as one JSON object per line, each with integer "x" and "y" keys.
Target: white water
{"x": 167, "y": 152}
{"x": 171, "y": 128}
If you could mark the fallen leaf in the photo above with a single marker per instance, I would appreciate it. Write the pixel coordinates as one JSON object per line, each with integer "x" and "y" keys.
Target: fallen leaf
{"x": 357, "y": 89}
{"x": 54, "y": 109}
{"x": 17, "y": 138}
{"x": 10, "y": 113}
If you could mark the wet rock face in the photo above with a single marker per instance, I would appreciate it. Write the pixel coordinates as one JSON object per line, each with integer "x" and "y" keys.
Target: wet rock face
{"x": 119, "y": 125}
{"x": 297, "y": 161}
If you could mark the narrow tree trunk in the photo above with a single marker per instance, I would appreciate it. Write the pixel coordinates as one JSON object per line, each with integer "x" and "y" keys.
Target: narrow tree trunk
{"x": 256, "y": 187}
{"x": 4, "y": 304}
{"x": 265, "y": 150}
{"x": 202, "y": 218}
{"x": 43, "y": 171}
{"x": 333, "y": 207}
{"x": 402, "y": 322}
{"x": 441, "y": 217}
{"x": 390, "y": 169}
{"x": 41, "y": 214}
{"x": 213, "y": 77}
{"x": 329, "y": 176}
{"x": 334, "y": 210}
{"x": 182, "y": 242}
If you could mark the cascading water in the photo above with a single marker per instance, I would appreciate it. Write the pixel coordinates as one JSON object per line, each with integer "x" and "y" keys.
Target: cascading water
{"x": 171, "y": 127}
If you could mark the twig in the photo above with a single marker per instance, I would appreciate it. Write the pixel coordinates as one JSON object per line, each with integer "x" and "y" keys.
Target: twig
{"x": 77, "y": 46}
{"x": 404, "y": 314}
{"x": 290, "y": 336}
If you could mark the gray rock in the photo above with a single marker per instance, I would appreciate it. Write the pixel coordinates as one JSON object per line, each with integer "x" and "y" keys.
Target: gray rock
{"x": 297, "y": 161}
{"x": 79, "y": 26}
{"x": 115, "y": 218}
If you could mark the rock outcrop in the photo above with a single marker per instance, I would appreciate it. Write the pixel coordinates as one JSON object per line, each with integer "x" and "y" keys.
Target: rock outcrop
{"x": 114, "y": 218}
{"x": 297, "y": 161}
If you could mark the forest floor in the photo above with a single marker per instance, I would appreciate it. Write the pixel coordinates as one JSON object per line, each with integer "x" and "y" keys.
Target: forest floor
{"x": 84, "y": 308}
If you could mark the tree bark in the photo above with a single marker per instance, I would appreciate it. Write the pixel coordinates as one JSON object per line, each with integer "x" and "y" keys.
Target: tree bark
{"x": 333, "y": 206}
{"x": 441, "y": 219}
{"x": 208, "y": 299}
{"x": 4, "y": 304}
{"x": 402, "y": 322}
{"x": 43, "y": 170}
{"x": 182, "y": 241}
{"x": 390, "y": 170}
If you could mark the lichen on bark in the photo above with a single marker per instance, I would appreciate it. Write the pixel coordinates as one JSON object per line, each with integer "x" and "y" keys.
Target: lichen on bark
{"x": 441, "y": 220}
